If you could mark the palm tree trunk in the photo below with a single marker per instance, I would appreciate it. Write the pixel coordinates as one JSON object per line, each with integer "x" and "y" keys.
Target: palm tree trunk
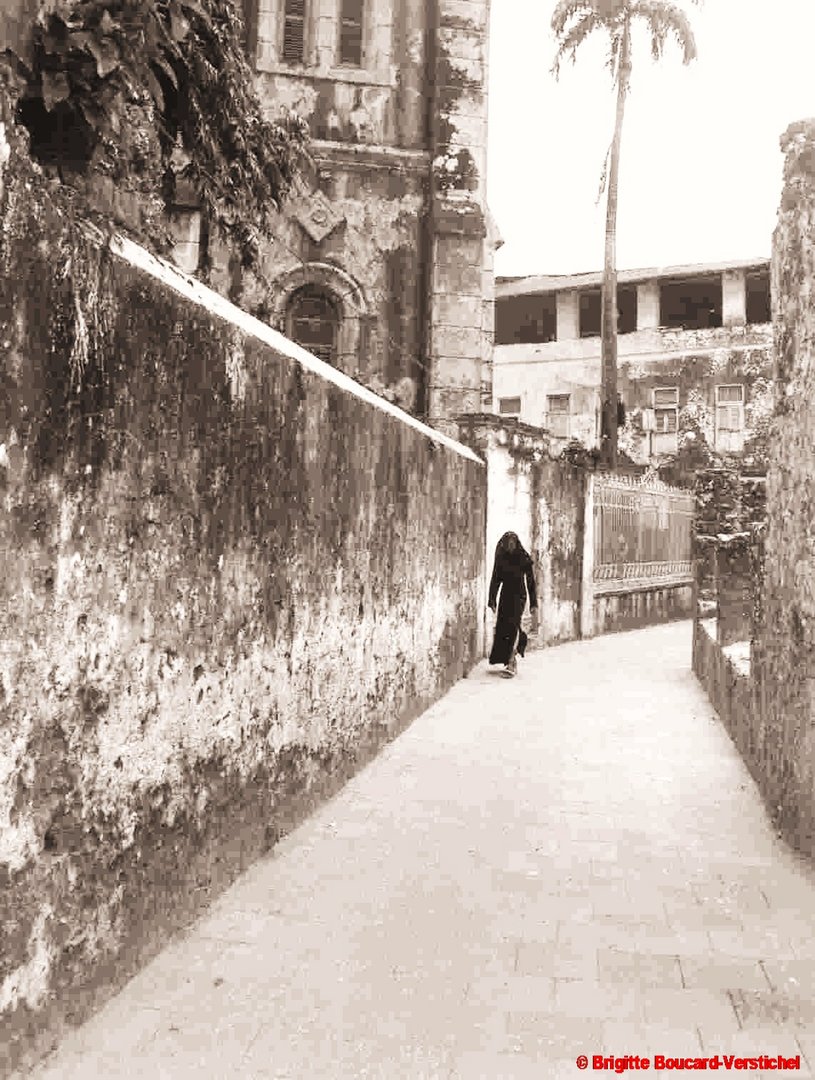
{"x": 609, "y": 297}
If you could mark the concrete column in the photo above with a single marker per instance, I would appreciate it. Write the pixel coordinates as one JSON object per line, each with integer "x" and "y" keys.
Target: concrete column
{"x": 734, "y": 298}
{"x": 648, "y": 305}
{"x": 568, "y": 315}
{"x": 587, "y": 585}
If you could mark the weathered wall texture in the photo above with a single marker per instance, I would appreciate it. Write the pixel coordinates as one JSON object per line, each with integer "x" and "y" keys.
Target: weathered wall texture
{"x": 693, "y": 361}
{"x": 16, "y": 18}
{"x": 392, "y": 226}
{"x": 645, "y": 607}
{"x": 787, "y": 639}
{"x": 764, "y": 579}
{"x": 227, "y": 578}
{"x": 543, "y": 500}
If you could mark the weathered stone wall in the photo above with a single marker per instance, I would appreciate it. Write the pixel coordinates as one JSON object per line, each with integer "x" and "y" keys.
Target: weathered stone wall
{"x": 787, "y": 638}
{"x": 393, "y": 223}
{"x": 765, "y": 579}
{"x": 229, "y": 574}
{"x": 543, "y": 500}
{"x": 16, "y": 18}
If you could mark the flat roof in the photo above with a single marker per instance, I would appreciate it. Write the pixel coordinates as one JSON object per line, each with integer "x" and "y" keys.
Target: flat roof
{"x": 547, "y": 283}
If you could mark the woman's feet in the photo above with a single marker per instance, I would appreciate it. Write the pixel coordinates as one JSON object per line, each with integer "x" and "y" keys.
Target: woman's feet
{"x": 510, "y": 668}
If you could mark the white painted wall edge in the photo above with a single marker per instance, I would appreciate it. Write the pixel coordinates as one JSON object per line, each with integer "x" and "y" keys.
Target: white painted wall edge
{"x": 213, "y": 302}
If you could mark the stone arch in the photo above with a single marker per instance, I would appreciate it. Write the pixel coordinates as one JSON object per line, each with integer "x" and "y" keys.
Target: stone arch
{"x": 347, "y": 295}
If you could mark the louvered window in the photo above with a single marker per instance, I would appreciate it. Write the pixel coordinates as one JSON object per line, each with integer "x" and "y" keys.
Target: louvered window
{"x": 294, "y": 21}
{"x": 313, "y": 322}
{"x": 666, "y": 395}
{"x": 351, "y": 32}
{"x": 665, "y": 421}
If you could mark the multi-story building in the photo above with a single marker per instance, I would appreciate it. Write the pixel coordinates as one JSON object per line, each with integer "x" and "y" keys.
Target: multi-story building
{"x": 382, "y": 263}
{"x": 694, "y": 355}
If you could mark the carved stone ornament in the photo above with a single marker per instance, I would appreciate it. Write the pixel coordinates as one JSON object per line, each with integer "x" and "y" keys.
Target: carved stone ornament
{"x": 316, "y": 215}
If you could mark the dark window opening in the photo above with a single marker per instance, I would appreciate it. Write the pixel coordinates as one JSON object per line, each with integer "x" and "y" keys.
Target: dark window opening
{"x": 313, "y": 322}
{"x": 294, "y": 25}
{"x": 591, "y": 311}
{"x": 626, "y": 310}
{"x": 757, "y": 287}
{"x": 691, "y": 304}
{"x": 351, "y": 32}
{"x": 525, "y": 320}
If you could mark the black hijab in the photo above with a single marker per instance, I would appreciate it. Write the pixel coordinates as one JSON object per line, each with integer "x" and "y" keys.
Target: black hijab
{"x": 504, "y": 558}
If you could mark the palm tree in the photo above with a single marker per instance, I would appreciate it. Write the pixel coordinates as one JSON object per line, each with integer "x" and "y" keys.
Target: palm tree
{"x": 572, "y": 22}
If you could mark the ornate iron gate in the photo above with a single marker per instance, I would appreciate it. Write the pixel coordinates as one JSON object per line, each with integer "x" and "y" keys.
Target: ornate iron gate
{"x": 642, "y": 535}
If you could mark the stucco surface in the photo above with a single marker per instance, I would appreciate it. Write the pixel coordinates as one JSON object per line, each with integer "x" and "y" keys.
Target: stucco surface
{"x": 227, "y": 579}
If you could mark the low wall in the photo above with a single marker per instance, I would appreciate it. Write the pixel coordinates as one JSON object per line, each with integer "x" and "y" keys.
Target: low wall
{"x": 229, "y": 575}
{"x": 725, "y": 675}
{"x": 642, "y": 607}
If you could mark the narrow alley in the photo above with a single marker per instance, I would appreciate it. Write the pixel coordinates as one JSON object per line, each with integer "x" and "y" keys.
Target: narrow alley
{"x": 574, "y": 862}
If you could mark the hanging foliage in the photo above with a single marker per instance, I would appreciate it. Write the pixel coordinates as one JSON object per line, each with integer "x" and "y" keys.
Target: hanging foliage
{"x": 182, "y": 63}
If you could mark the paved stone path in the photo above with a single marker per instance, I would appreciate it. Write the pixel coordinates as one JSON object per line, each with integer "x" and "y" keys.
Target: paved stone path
{"x": 572, "y": 862}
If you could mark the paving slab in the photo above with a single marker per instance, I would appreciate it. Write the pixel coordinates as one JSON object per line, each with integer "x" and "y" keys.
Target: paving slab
{"x": 572, "y": 862}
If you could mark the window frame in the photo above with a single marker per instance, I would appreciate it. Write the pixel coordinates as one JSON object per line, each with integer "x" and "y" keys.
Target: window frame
{"x": 669, "y": 410}
{"x": 509, "y": 412}
{"x": 730, "y": 408}
{"x": 556, "y": 416}
{"x": 315, "y": 291}
{"x": 287, "y": 18}
{"x": 343, "y": 21}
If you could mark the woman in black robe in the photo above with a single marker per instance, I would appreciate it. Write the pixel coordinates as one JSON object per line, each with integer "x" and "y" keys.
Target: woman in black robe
{"x": 513, "y": 574}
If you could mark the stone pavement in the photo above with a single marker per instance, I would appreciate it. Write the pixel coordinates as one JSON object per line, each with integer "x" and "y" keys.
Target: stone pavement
{"x": 572, "y": 862}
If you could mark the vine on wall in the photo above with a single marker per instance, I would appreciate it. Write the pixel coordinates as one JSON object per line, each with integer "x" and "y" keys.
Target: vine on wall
{"x": 113, "y": 87}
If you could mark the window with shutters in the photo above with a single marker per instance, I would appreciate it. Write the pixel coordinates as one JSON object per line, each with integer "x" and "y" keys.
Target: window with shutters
{"x": 558, "y": 410}
{"x": 351, "y": 13}
{"x": 664, "y": 438}
{"x": 313, "y": 321}
{"x": 730, "y": 418}
{"x": 294, "y": 27}
{"x": 509, "y": 406}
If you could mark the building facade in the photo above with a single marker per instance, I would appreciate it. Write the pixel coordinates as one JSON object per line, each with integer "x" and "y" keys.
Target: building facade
{"x": 382, "y": 264}
{"x": 694, "y": 356}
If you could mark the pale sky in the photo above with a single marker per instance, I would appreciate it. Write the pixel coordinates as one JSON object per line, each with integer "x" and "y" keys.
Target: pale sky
{"x": 701, "y": 168}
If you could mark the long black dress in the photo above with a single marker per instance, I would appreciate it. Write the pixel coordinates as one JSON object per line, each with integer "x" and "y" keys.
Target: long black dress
{"x": 513, "y": 573}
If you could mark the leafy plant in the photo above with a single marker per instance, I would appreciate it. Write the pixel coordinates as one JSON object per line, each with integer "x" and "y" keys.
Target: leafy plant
{"x": 182, "y": 63}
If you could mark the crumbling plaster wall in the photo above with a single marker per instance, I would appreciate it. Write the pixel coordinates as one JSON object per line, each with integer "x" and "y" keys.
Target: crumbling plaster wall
{"x": 228, "y": 577}
{"x": 377, "y": 242}
{"x": 535, "y": 371}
